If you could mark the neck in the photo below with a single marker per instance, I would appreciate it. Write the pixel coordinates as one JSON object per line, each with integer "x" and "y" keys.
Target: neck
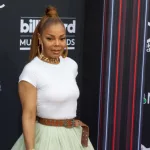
{"x": 49, "y": 60}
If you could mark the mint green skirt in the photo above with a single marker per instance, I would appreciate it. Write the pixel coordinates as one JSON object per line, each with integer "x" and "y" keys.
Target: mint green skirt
{"x": 55, "y": 138}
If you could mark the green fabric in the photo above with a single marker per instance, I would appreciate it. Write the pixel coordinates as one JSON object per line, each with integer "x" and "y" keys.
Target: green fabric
{"x": 55, "y": 138}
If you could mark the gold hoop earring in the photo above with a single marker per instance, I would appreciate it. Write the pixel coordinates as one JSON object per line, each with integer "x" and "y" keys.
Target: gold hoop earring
{"x": 65, "y": 52}
{"x": 40, "y": 49}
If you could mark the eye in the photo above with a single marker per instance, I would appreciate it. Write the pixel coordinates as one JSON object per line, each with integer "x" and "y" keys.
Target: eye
{"x": 64, "y": 38}
{"x": 48, "y": 38}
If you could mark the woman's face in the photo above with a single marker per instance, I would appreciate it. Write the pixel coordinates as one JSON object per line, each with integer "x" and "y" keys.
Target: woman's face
{"x": 53, "y": 39}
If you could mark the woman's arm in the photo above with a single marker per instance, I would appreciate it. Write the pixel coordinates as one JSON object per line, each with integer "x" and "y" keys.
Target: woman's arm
{"x": 28, "y": 95}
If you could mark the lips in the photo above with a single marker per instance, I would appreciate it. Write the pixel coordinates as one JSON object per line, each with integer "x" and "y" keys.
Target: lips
{"x": 56, "y": 51}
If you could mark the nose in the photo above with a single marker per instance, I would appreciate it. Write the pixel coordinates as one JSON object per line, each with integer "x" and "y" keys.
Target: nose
{"x": 57, "y": 42}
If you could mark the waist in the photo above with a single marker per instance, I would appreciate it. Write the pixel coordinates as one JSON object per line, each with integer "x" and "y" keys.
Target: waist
{"x": 56, "y": 112}
{"x": 68, "y": 123}
{"x": 59, "y": 122}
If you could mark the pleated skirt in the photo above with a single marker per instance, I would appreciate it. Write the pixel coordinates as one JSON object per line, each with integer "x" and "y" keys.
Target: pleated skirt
{"x": 55, "y": 138}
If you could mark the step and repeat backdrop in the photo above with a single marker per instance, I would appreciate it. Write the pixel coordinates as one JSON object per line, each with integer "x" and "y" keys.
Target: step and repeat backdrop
{"x": 146, "y": 101}
{"x": 18, "y": 20}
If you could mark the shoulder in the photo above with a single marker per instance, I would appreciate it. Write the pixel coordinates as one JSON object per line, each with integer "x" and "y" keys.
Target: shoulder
{"x": 72, "y": 65}
{"x": 29, "y": 73}
{"x": 71, "y": 61}
{"x": 31, "y": 66}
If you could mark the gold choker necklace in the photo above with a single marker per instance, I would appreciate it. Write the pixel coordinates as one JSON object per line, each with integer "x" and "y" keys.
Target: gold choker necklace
{"x": 49, "y": 60}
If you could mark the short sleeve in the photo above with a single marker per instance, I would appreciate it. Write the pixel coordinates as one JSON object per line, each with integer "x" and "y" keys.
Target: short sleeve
{"x": 28, "y": 75}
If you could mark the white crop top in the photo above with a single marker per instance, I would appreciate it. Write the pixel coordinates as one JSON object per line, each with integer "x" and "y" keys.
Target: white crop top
{"x": 57, "y": 91}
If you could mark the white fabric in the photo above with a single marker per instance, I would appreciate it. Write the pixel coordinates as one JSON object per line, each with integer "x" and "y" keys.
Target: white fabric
{"x": 144, "y": 148}
{"x": 57, "y": 91}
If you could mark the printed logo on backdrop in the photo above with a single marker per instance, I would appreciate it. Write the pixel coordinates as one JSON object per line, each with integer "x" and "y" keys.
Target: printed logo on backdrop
{"x": 2, "y": 6}
{"x": 28, "y": 24}
{"x": 148, "y": 41}
{"x": 146, "y": 99}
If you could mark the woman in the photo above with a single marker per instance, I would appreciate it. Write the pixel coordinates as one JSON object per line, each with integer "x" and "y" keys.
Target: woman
{"x": 49, "y": 93}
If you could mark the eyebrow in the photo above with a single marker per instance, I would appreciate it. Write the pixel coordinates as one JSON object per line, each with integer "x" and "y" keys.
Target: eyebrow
{"x": 54, "y": 35}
